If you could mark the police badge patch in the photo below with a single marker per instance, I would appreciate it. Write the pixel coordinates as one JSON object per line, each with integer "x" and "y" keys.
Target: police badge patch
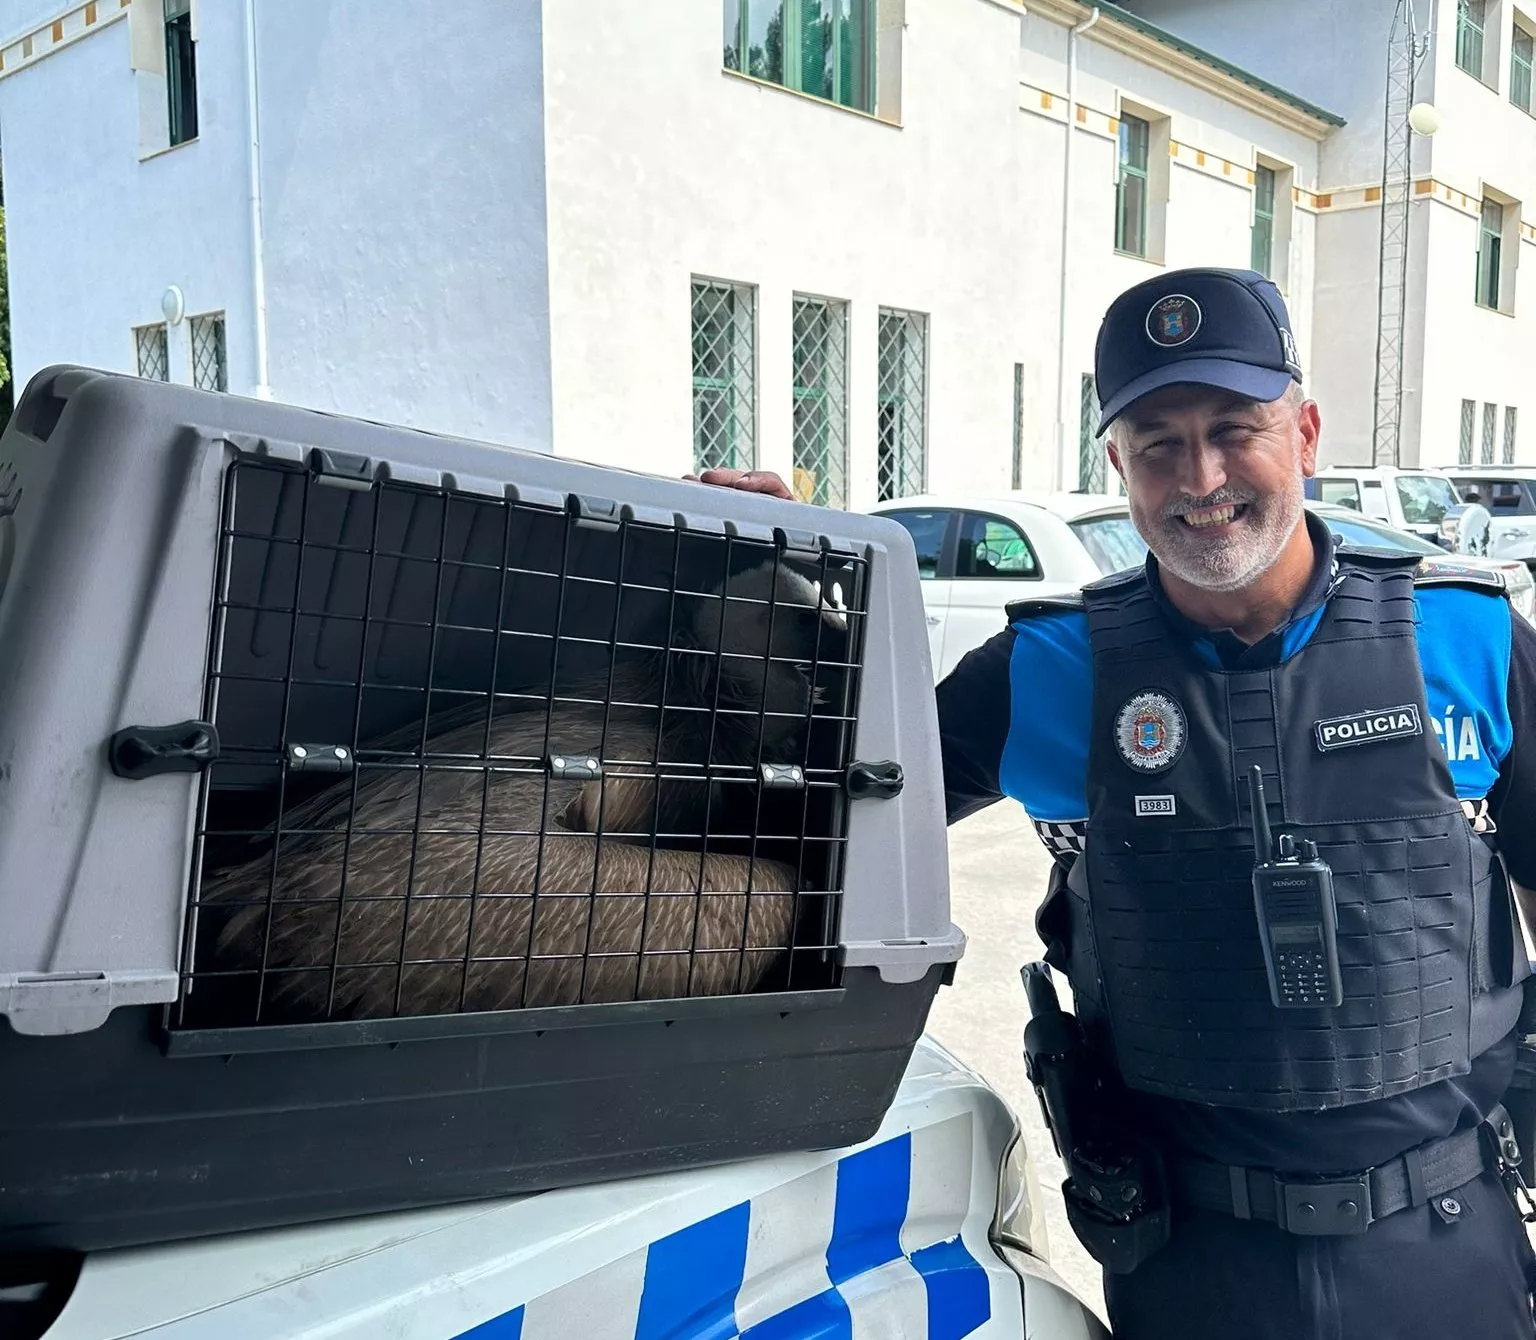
{"x": 1173, "y": 321}
{"x": 1150, "y": 731}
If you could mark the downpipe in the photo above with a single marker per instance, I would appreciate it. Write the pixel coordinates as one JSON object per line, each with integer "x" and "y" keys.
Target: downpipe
{"x": 263, "y": 388}
{"x": 1059, "y": 479}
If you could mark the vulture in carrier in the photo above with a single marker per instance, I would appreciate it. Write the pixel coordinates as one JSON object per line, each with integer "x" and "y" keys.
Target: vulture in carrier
{"x": 574, "y": 900}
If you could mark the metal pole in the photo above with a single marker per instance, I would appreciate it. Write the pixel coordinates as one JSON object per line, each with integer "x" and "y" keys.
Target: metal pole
{"x": 1405, "y": 53}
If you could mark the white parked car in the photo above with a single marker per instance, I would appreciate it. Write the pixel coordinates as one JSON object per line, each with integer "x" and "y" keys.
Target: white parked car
{"x": 976, "y": 554}
{"x": 1422, "y": 502}
{"x": 1509, "y": 494}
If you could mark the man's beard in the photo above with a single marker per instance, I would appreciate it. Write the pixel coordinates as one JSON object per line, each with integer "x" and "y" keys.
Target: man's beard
{"x": 1262, "y": 527}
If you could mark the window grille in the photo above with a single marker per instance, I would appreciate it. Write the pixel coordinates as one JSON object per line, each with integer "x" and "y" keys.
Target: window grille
{"x": 903, "y": 404}
{"x": 152, "y": 349}
{"x": 820, "y": 371}
{"x": 210, "y": 369}
{"x": 1090, "y": 447}
{"x": 724, "y": 375}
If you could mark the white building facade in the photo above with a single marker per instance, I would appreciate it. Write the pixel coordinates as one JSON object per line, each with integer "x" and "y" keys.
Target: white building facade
{"x": 872, "y": 264}
{"x": 1470, "y": 342}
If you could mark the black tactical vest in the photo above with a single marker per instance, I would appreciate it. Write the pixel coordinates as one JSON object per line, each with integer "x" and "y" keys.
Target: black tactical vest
{"x": 1162, "y": 943}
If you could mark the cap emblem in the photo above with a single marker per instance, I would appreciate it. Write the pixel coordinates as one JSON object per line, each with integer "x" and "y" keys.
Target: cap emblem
{"x": 1173, "y": 321}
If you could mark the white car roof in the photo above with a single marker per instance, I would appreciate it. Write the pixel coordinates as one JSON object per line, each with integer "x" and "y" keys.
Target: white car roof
{"x": 1073, "y": 506}
{"x": 1064, "y": 506}
{"x": 1378, "y": 471}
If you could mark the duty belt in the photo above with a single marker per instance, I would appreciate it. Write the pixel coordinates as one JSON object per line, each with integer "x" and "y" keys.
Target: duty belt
{"x": 1350, "y": 1203}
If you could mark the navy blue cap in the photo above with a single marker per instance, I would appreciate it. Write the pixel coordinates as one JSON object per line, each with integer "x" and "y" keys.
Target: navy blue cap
{"x": 1228, "y": 329}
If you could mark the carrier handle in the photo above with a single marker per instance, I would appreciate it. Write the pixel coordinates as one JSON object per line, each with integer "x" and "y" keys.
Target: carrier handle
{"x": 883, "y": 780}
{"x": 137, "y": 752}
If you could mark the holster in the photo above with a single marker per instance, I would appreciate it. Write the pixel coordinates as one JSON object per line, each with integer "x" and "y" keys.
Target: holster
{"x": 1520, "y": 1101}
{"x": 1116, "y": 1190}
{"x": 1117, "y": 1201}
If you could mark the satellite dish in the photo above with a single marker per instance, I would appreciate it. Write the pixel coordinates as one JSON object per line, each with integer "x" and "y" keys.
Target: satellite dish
{"x": 1469, "y": 529}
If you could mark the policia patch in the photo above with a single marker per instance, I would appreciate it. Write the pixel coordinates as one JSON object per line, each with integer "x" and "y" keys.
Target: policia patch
{"x": 1150, "y": 731}
{"x": 1381, "y": 723}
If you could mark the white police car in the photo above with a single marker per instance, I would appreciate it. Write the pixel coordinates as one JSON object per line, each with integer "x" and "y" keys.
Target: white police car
{"x": 931, "y": 1230}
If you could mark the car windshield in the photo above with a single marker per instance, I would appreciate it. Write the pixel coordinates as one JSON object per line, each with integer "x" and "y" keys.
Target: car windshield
{"x": 1113, "y": 542}
{"x": 1425, "y": 498}
{"x": 1360, "y": 530}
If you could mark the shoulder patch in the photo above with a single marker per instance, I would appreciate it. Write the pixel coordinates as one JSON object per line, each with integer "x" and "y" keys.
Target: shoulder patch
{"x": 1067, "y": 602}
{"x": 1373, "y": 556}
{"x": 1450, "y": 571}
{"x": 1115, "y": 580}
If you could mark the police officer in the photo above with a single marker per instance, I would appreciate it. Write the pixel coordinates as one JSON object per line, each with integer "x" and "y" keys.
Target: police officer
{"x": 1329, "y": 1147}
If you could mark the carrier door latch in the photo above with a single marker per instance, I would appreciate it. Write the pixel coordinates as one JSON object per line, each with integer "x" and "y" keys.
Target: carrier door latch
{"x": 879, "y": 781}
{"x": 137, "y": 752}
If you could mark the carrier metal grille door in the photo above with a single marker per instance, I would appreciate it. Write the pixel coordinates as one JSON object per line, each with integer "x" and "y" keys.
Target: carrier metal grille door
{"x": 483, "y": 755}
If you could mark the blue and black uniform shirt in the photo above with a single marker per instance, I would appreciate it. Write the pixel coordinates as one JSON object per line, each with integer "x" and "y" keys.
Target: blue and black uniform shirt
{"x": 1014, "y": 718}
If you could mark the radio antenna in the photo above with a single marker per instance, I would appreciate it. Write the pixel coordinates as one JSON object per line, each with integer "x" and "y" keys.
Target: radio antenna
{"x": 1261, "y": 839}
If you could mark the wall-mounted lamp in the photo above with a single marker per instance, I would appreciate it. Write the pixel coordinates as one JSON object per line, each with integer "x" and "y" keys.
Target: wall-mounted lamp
{"x": 174, "y": 305}
{"x": 1424, "y": 117}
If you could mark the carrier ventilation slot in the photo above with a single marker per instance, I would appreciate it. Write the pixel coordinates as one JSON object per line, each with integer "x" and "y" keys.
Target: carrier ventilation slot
{"x": 477, "y": 754}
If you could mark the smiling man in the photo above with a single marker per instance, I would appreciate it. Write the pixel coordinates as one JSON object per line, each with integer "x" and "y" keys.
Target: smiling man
{"x": 1302, "y": 1040}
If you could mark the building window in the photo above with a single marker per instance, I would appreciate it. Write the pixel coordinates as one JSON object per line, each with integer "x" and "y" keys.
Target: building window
{"x": 181, "y": 70}
{"x": 1490, "y": 427}
{"x": 151, "y": 347}
{"x": 1018, "y": 426}
{"x": 724, "y": 375}
{"x": 1468, "y": 423}
{"x": 1489, "y": 252}
{"x": 210, "y": 366}
{"x": 1090, "y": 446}
{"x": 902, "y": 471}
{"x": 822, "y": 47}
{"x": 820, "y": 360}
{"x": 1131, "y": 187}
{"x": 1263, "y": 258}
{"x": 1471, "y": 18}
{"x": 1522, "y": 56}
{"x": 1509, "y": 434}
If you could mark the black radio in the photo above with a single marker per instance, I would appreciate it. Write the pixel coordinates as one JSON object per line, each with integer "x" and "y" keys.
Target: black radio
{"x": 1298, "y": 923}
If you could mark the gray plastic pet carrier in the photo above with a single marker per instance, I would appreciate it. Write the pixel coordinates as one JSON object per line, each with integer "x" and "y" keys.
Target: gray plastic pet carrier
{"x": 388, "y": 819}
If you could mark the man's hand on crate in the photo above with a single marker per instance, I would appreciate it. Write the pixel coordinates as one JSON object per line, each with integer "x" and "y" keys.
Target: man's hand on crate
{"x": 750, "y": 481}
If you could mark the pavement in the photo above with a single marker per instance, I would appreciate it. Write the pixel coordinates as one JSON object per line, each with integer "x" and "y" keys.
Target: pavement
{"x": 998, "y": 870}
